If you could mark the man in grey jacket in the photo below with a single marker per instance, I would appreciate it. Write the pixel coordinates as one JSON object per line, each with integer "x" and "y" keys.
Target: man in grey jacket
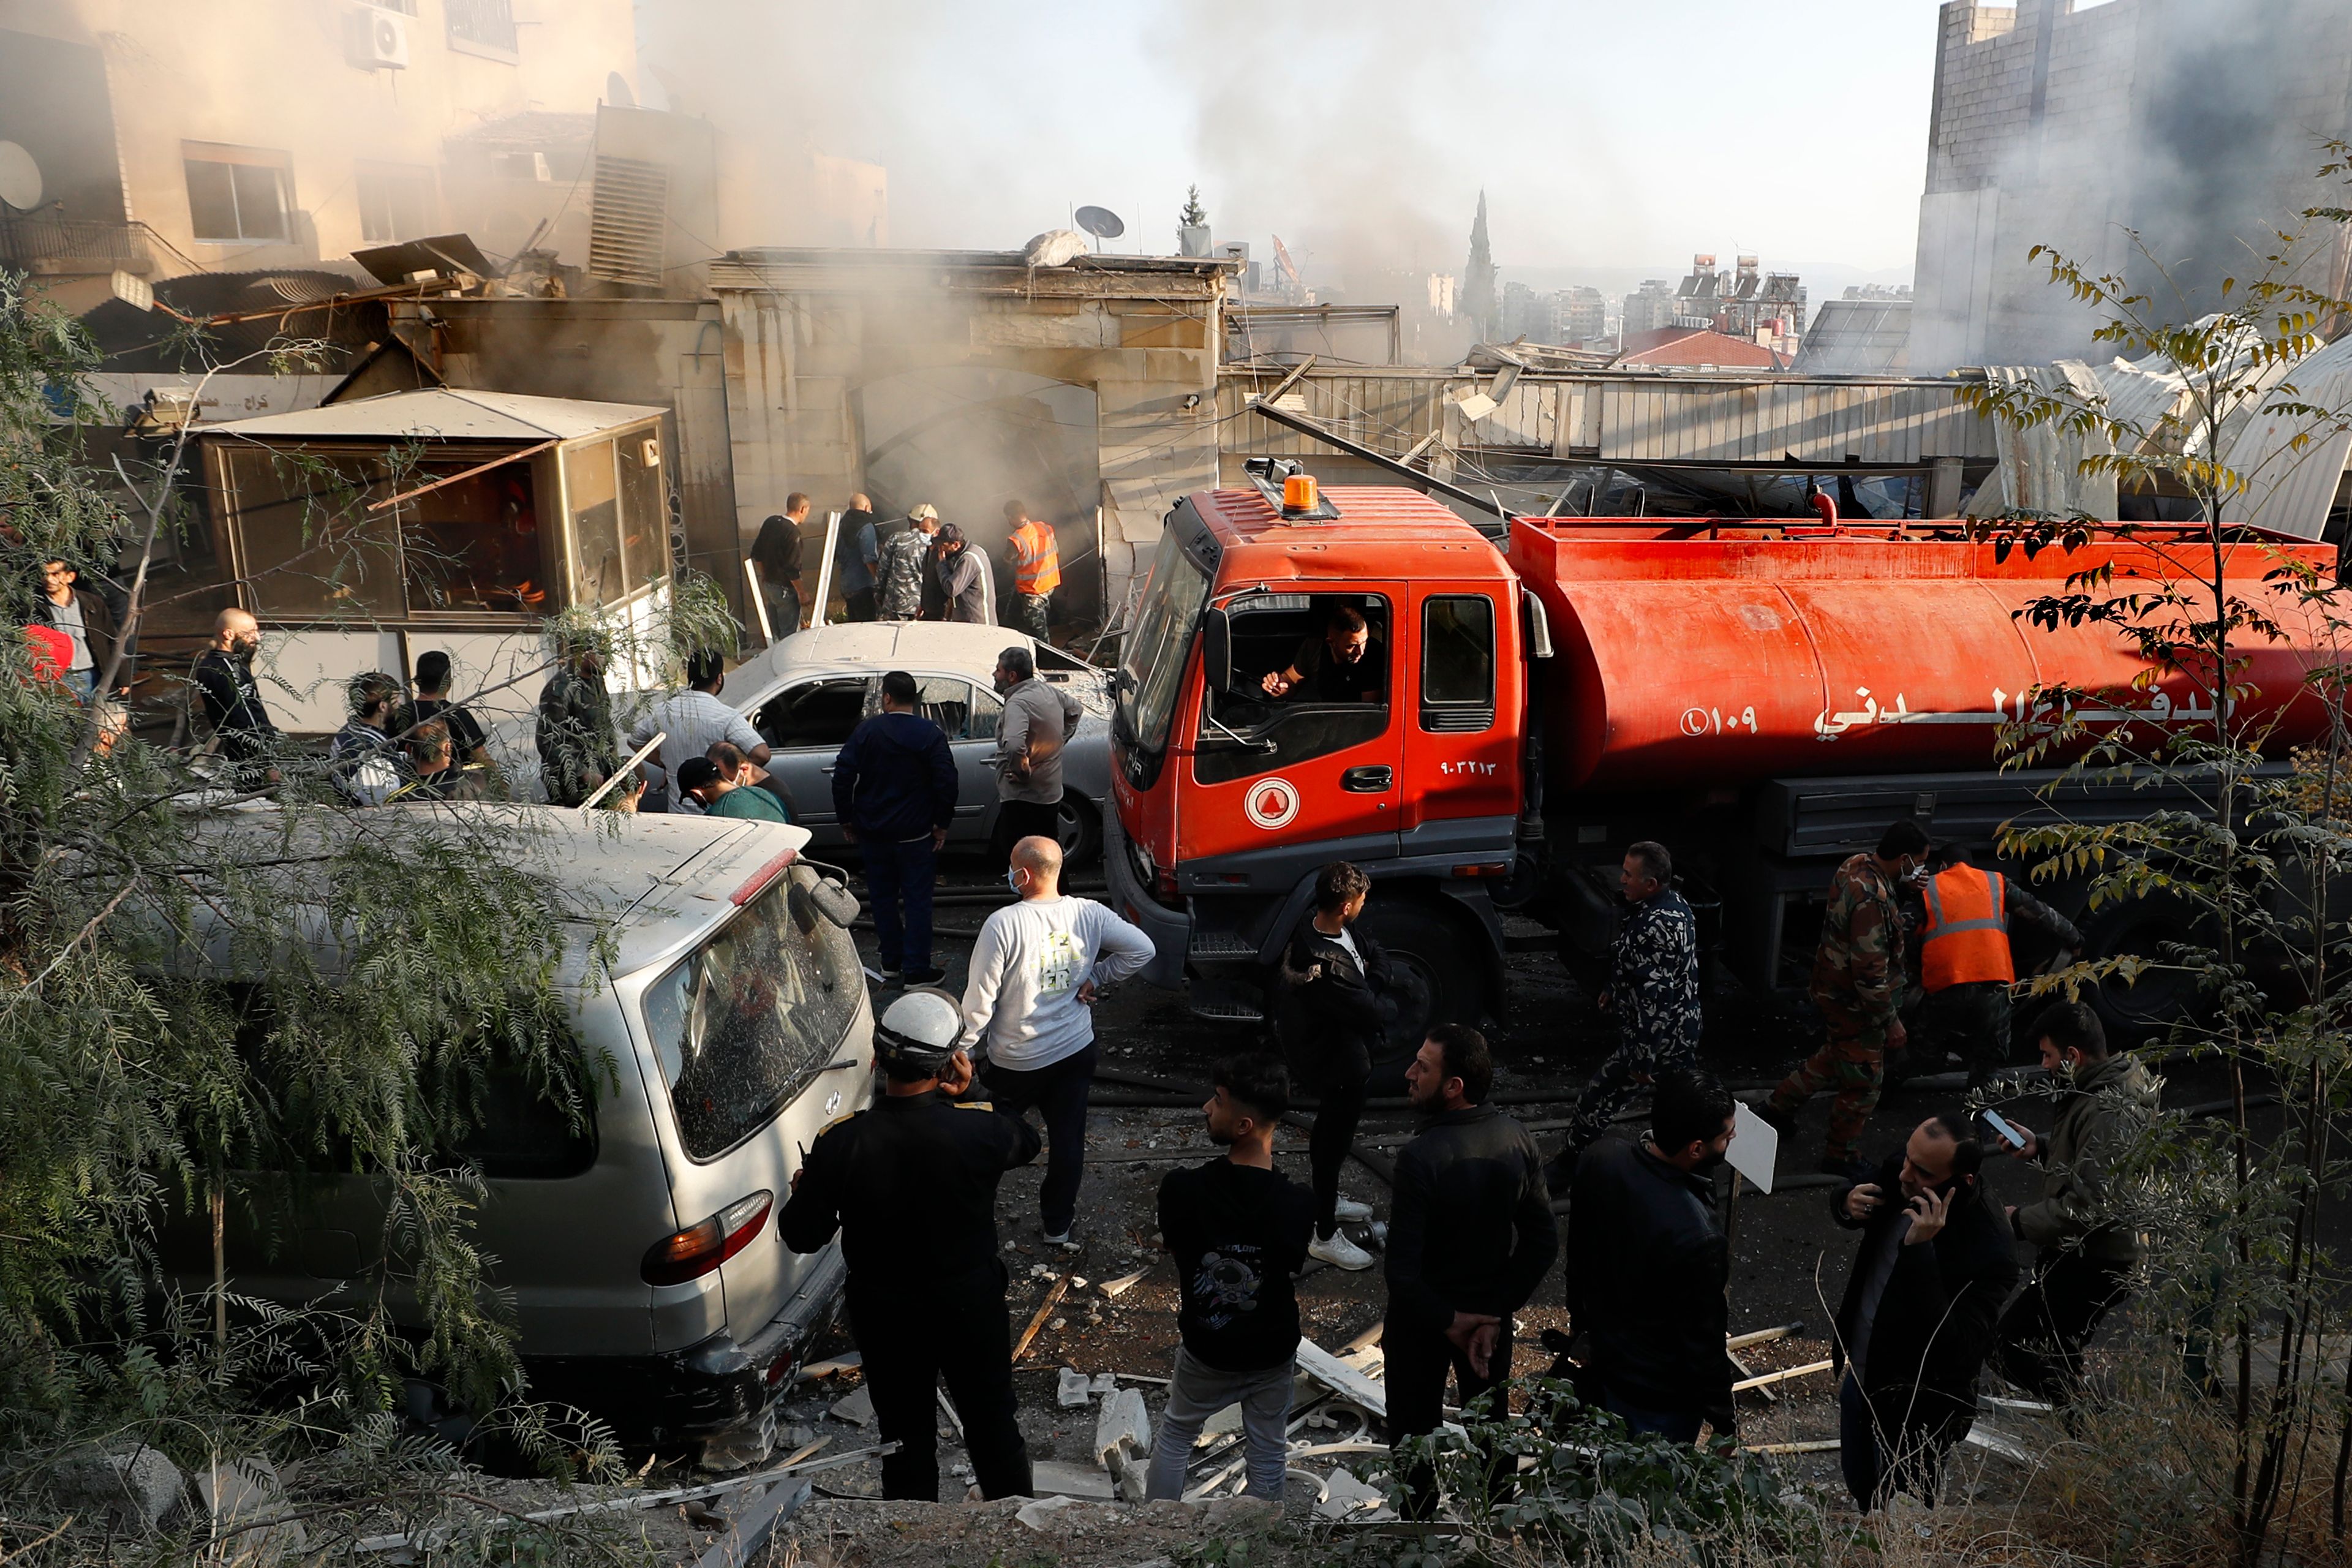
{"x": 1039, "y": 720}
{"x": 2086, "y": 1253}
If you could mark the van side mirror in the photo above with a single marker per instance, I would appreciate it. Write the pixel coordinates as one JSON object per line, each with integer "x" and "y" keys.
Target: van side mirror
{"x": 1217, "y": 650}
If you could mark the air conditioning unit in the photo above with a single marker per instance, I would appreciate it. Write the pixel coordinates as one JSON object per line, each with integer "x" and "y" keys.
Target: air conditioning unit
{"x": 375, "y": 39}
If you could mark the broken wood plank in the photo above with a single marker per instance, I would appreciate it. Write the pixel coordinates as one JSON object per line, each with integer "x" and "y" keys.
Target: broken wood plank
{"x": 1044, "y": 1310}
{"x": 1762, "y": 1336}
{"x": 1787, "y": 1375}
{"x": 1822, "y": 1447}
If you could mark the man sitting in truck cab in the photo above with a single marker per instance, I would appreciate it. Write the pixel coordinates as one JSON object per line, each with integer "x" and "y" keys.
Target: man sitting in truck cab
{"x": 1344, "y": 665}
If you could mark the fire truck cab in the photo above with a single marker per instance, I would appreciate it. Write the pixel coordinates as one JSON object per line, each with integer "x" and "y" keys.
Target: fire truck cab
{"x": 1295, "y": 692}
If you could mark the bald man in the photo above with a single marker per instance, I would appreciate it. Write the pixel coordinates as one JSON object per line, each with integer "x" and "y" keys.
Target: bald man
{"x": 1036, "y": 971}
{"x": 854, "y": 555}
{"x": 223, "y": 678}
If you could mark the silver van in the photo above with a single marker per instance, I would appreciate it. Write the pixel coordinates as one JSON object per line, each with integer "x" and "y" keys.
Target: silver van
{"x": 724, "y": 1020}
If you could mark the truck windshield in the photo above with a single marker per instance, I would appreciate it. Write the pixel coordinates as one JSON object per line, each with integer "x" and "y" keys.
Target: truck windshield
{"x": 1153, "y": 663}
{"x": 742, "y": 1022}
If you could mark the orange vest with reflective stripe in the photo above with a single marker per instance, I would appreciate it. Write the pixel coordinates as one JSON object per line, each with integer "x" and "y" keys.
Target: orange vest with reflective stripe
{"x": 1036, "y": 559}
{"x": 1966, "y": 938}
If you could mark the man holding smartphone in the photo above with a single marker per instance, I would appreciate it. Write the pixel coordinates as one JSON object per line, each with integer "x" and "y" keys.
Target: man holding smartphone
{"x": 1919, "y": 1311}
{"x": 2084, "y": 1254}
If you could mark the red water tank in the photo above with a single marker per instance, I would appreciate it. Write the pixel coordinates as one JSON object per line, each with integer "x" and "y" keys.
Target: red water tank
{"x": 1695, "y": 655}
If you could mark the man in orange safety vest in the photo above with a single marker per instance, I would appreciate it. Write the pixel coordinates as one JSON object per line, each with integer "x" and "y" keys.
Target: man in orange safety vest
{"x": 1966, "y": 966}
{"x": 1036, "y": 568}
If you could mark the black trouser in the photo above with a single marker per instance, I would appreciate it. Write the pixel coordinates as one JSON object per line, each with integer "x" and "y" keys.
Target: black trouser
{"x": 859, "y": 606}
{"x": 1339, "y": 1106}
{"x": 956, "y": 1330}
{"x": 1895, "y": 1441}
{"x": 900, "y": 877}
{"x": 1972, "y": 1019}
{"x": 2045, "y": 1331}
{"x": 1059, "y": 1092}
{"x": 1020, "y": 819}
{"x": 1417, "y": 1359}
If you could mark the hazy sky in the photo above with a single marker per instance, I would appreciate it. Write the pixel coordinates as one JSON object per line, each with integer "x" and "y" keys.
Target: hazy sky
{"x": 1607, "y": 135}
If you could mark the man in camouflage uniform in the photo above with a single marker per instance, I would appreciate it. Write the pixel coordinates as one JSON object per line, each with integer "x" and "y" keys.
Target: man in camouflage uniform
{"x": 898, "y": 576}
{"x": 1858, "y": 987}
{"x": 1653, "y": 991}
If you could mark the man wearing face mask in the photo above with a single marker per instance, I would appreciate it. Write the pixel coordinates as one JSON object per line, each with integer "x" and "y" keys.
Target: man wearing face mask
{"x": 1039, "y": 720}
{"x": 1037, "y": 971}
{"x": 1918, "y": 1312}
{"x": 1858, "y": 987}
{"x": 1647, "y": 1264}
{"x": 2086, "y": 1253}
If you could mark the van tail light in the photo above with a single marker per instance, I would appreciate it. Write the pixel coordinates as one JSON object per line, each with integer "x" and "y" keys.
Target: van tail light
{"x": 698, "y": 1250}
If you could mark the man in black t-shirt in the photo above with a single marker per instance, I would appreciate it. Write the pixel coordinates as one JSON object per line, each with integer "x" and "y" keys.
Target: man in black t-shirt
{"x": 1238, "y": 1230}
{"x": 1343, "y": 665}
{"x": 469, "y": 744}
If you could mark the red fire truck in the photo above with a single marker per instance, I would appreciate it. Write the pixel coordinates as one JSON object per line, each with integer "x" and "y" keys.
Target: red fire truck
{"x": 1764, "y": 697}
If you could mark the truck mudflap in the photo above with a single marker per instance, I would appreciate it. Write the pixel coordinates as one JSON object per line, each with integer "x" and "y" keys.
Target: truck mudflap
{"x": 1170, "y": 930}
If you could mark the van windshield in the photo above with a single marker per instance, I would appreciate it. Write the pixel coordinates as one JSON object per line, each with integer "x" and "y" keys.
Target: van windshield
{"x": 743, "y": 1021}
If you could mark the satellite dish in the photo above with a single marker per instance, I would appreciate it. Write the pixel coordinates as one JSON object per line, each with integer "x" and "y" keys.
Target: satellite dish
{"x": 20, "y": 178}
{"x": 617, "y": 92}
{"x": 1101, "y": 222}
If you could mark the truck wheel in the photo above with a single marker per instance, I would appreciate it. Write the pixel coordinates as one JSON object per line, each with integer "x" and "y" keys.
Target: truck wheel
{"x": 1078, "y": 830}
{"x": 2133, "y": 1014}
{"x": 1431, "y": 947}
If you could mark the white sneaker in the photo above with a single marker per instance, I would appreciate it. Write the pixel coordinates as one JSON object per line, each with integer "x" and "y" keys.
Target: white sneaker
{"x": 1352, "y": 1208}
{"x": 1338, "y": 1252}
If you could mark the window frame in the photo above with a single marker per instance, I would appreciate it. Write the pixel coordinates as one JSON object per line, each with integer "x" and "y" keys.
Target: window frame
{"x": 469, "y": 15}
{"x": 1443, "y": 716}
{"x": 1330, "y": 727}
{"x": 231, "y": 157}
{"x": 390, "y": 178}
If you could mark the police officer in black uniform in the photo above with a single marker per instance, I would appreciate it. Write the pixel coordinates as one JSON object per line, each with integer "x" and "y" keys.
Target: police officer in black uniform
{"x": 910, "y": 1183}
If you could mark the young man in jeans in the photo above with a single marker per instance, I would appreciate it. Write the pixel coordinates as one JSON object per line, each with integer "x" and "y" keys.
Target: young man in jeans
{"x": 1035, "y": 970}
{"x": 1237, "y": 1228}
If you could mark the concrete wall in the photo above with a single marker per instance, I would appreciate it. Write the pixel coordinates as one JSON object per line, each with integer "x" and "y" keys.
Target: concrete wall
{"x": 2192, "y": 124}
{"x": 273, "y": 74}
{"x": 808, "y": 333}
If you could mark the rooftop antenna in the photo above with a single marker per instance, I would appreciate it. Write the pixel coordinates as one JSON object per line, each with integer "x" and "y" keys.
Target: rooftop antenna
{"x": 1101, "y": 222}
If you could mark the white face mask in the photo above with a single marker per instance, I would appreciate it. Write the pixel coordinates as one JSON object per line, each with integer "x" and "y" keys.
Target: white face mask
{"x": 1012, "y": 878}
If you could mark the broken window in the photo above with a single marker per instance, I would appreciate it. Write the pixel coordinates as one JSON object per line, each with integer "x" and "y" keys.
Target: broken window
{"x": 600, "y": 573}
{"x": 235, "y": 194}
{"x": 482, "y": 27}
{"x": 396, "y": 202}
{"x": 472, "y": 548}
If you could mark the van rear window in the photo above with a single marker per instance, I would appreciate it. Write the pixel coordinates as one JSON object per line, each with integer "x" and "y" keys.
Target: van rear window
{"x": 742, "y": 1022}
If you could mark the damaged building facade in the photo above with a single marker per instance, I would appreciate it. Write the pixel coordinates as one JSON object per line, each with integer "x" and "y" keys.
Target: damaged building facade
{"x": 966, "y": 379}
{"x": 2193, "y": 124}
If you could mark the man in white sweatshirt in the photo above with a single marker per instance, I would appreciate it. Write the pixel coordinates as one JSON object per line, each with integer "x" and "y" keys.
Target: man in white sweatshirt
{"x": 1035, "y": 970}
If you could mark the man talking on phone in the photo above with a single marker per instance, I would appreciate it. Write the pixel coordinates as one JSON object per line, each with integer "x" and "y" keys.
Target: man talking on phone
{"x": 1917, "y": 1318}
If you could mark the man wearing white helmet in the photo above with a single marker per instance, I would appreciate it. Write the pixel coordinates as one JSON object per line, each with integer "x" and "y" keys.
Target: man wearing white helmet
{"x": 910, "y": 1183}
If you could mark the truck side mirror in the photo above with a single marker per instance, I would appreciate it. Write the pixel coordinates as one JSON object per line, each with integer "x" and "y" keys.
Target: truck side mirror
{"x": 1217, "y": 650}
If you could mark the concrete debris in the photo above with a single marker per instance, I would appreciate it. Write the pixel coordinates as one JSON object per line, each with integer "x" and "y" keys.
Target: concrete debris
{"x": 1105, "y": 1383}
{"x": 1133, "y": 1476}
{"x": 757, "y": 1515}
{"x": 1124, "y": 1424}
{"x": 134, "y": 1485}
{"x": 857, "y": 1409}
{"x": 1224, "y": 1424}
{"x": 1115, "y": 1289}
{"x": 1053, "y": 1477}
{"x": 849, "y": 1361}
{"x": 1074, "y": 1389}
{"x": 246, "y": 1499}
{"x": 1345, "y": 1496}
{"x": 1341, "y": 1378}
{"x": 1055, "y": 247}
{"x": 1039, "y": 1515}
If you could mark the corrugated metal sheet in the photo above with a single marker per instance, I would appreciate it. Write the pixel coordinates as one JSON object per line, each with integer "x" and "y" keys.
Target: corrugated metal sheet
{"x": 1714, "y": 419}
{"x": 2293, "y": 491}
{"x": 629, "y": 212}
{"x": 445, "y": 413}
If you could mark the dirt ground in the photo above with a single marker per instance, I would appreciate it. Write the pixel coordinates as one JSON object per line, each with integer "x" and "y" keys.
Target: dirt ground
{"x": 1789, "y": 1263}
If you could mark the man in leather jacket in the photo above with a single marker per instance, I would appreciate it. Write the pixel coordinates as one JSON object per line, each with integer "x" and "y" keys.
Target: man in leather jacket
{"x": 1918, "y": 1313}
{"x": 1647, "y": 1263}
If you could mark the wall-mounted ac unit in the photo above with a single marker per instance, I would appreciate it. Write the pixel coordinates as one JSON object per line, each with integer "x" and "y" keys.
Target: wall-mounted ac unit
{"x": 375, "y": 39}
